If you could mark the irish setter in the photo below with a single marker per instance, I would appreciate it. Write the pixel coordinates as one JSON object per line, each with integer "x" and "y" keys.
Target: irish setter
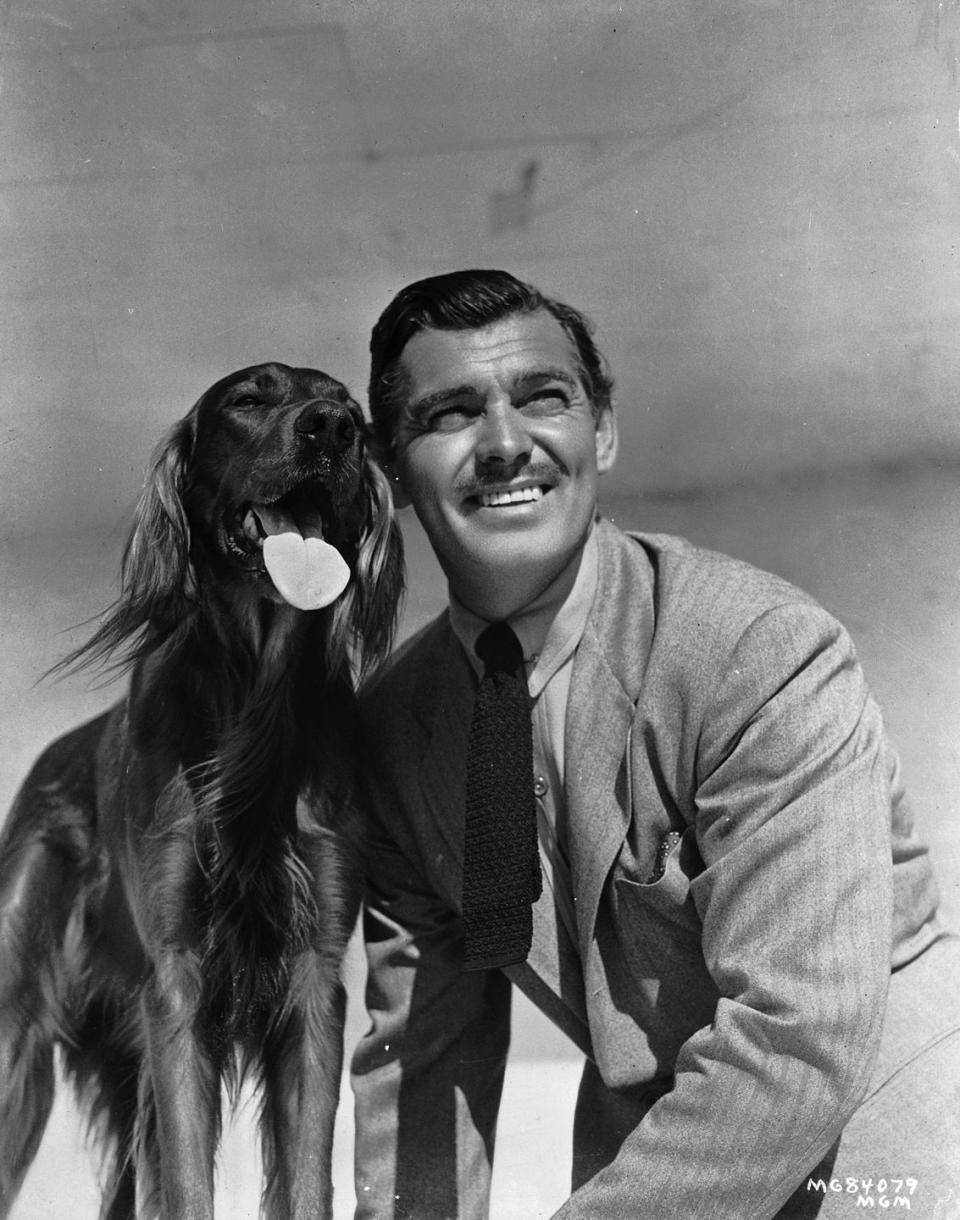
{"x": 179, "y": 877}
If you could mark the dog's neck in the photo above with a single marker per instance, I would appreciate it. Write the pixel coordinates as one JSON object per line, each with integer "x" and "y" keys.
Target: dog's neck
{"x": 265, "y": 674}
{"x": 270, "y": 631}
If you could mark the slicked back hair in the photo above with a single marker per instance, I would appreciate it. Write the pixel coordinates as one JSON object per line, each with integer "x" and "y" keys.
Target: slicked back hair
{"x": 466, "y": 300}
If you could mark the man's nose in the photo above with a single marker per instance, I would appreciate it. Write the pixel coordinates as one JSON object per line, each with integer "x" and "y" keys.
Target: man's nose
{"x": 503, "y": 435}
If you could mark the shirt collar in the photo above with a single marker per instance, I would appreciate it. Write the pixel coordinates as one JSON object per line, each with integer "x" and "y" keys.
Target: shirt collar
{"x": 549, "y": 629}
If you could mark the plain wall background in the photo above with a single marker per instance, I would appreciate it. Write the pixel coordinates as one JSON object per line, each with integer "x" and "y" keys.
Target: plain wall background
{"x": 757, "y": 201}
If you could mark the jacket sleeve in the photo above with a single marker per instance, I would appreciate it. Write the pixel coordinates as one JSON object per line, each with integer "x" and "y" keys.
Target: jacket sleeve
{"x": 791, "y": 816}
{"x": 427, "y": 1077}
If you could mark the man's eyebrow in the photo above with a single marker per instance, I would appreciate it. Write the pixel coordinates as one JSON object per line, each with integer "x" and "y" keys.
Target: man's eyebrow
{"x": 523, "y": 381}
{"x": 539, "y": 376}
{"x": 440, "y": 398}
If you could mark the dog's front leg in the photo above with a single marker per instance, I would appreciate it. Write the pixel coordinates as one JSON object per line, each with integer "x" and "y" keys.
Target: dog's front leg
{"x": 186, "y": 1088}
{"x": 302, "y": 1070}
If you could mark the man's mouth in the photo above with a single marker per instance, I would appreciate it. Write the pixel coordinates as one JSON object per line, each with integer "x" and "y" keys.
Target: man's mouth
{"x": 515, "y": 495}
{"x": 505, "y": 489}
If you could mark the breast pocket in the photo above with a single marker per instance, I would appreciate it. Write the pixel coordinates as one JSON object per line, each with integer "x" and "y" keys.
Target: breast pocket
{"x": 666, "y": 984}
{"x": 665, "y": 890}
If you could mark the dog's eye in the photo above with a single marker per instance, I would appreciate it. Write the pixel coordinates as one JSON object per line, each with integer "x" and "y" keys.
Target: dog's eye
{"x": 246, "y": 400}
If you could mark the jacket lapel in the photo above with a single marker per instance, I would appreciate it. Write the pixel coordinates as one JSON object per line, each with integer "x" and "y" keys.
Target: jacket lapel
{"x": 604, "y": 688}
{"x": 443, "y": 705}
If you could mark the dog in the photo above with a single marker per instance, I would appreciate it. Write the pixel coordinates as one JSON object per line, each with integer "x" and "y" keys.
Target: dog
{"x": 179, "y": 877}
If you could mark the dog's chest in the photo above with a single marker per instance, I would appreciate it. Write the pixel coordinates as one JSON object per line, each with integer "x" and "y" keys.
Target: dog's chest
{"x": 236, "y": 896}
{"x": 258, "y": 914}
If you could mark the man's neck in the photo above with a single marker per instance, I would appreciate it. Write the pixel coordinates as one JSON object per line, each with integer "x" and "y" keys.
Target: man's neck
{"x": 500, "y": 596}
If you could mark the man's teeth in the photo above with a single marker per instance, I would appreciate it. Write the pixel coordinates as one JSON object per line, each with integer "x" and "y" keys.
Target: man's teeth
{"x": 494, "y": 499}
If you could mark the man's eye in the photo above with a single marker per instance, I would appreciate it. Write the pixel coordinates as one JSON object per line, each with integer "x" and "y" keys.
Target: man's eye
{"x": 545, "y": 402}
{"x": 450, "y": 419}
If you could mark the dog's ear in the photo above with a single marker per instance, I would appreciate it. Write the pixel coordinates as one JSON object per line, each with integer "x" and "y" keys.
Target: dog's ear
{"x": 157, "y": 574}
{"x": 157, "y": 582}
{"x": 369, "y": 609}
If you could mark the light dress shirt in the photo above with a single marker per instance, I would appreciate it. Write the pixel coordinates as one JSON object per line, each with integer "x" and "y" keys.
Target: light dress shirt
{"x": 549, "y": 631}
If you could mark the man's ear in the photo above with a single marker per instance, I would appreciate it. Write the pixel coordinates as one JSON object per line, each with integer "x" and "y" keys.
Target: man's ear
{"x": 608, "y": 440}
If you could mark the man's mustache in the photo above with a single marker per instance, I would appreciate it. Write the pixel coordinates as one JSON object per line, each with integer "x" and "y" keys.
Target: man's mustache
{"x": 549, "y": 473}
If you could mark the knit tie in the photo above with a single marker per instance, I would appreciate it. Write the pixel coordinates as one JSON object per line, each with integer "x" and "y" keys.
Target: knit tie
{"x": 501, "y": 861}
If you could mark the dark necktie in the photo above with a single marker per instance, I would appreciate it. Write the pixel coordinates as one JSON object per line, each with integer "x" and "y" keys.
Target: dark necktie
{"x": 501, "y": 861}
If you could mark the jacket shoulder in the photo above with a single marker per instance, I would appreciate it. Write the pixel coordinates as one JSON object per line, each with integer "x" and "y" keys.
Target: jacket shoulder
{"x": 683, "y": 569}
{"x": 674, "y": 612}
{"x": 391, "y": 691}
{"x": 696, "y": 592}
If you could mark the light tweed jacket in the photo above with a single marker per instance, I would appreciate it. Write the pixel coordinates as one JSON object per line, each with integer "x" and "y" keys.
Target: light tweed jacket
{"x": 731, "y": 1010}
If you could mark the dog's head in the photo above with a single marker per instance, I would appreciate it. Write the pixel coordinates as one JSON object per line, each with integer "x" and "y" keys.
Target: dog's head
{"x": 274, "y": 481}
{"x": 264, "y": 491}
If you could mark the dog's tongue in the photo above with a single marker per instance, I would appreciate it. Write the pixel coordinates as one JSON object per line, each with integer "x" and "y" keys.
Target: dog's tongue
{"x": 306, "y": 571}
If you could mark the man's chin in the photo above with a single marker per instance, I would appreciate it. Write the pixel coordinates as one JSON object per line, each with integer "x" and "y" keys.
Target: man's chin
{"x": 500, "y": 562}
{"x": 508, "y": 543}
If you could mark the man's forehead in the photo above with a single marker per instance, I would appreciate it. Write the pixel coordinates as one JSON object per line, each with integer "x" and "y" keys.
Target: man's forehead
{"x": 514, "y": 347}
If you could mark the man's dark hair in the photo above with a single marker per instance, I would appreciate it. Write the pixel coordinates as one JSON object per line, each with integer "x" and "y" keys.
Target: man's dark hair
{"x": 466, "y": 300}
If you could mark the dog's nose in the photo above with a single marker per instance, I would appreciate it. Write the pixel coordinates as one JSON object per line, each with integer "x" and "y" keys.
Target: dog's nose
{"x": 329, "y": 424}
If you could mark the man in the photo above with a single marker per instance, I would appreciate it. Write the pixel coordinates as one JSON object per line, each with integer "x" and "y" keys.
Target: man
{"x": 730, "y": 914}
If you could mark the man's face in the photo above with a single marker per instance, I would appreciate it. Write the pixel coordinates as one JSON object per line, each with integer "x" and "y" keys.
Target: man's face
{"x": 498, "y": 450}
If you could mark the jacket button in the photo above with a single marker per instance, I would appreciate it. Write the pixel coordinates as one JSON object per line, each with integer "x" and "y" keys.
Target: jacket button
{"x": 540, "y": 786}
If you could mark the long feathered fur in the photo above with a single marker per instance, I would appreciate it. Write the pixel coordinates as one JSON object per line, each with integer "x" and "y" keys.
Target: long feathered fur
{"x": 179, "y": 877}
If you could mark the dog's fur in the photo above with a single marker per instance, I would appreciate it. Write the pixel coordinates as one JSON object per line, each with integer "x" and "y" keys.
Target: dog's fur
{"x": 179, "y": 877}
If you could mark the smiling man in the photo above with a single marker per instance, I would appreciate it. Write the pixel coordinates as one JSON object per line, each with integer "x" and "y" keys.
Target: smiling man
{"x": 645, "y": 784}
{"x": 499, "y": 447}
